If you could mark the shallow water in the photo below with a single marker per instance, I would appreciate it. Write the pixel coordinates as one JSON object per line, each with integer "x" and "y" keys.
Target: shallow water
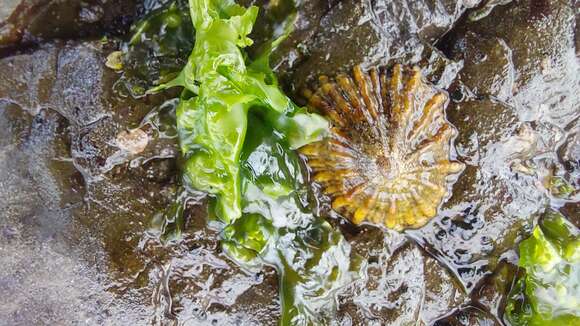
{"x": 79, "y": 233}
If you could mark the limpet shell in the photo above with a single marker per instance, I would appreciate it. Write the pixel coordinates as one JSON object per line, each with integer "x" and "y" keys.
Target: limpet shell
{"x": 387, "y": 159}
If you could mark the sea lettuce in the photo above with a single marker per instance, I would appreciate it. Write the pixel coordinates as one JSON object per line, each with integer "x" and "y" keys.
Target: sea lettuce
{"x": 220, "y": 88}
{"x": 237, "y": 132}
{"x": 549, "y": 292}
{"x": 277, "y": 228}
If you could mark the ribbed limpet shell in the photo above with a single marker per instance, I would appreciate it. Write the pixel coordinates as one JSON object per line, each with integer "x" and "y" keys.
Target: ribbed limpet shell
{"x": 388, "y": 157}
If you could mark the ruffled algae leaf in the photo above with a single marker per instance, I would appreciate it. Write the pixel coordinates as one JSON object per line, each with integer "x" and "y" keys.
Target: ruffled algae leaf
{"x": 549, "y": 292}
{"x": 237, "y": 131}
{"x": 312, "y": 258}
{"x": 220, "y": 88}
{"x": 388, "y": 159}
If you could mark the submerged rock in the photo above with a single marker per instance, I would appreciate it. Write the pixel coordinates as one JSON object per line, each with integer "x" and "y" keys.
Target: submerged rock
{"x": 40, "y": 251}
{"x": 78, "y": 209}
{"x": 469, "y": 316}
{"x": 400, "y": 284}
{"x": 331, "y": 37}
{"x": 493, "y": 205}
{"x": 493, "y": 291}
{"x": 514, "y": 103}
{"x": 31, "y": 21}
{"x": 387, "y": 160}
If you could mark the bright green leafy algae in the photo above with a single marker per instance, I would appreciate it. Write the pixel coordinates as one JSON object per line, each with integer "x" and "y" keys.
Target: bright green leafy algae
{"x": 277, "y": 228}
{"x": 220, "y": 88}
{"x": 549, "y": 293}
{"x": 237, "y": 131}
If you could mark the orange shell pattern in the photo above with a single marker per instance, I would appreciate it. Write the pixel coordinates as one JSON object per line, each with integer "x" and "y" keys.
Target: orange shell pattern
{"x": 387, "y": 159}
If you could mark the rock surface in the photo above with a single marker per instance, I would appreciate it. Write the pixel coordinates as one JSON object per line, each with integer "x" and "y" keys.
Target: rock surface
{"x": 27, "y": 22}
{"x": 514, "y": 105}
{"x": 78, "y": 209}
{"x": 332, "y": 37}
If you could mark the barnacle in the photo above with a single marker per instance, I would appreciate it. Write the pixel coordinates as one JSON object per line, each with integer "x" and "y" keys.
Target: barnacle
{"x": 387, "y": 159}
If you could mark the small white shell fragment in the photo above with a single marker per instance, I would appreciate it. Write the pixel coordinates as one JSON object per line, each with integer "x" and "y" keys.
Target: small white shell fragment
{"x": 115, "y": 60}
{"x": 132, "y": 141}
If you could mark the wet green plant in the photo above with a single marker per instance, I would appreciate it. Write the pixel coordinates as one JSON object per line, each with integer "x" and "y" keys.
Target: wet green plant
{"x": 549, "y": 292}
{"x": 237, "y": 133}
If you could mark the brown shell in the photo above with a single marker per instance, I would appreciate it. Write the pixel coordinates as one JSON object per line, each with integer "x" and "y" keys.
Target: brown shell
{"x": 387, "y": 159}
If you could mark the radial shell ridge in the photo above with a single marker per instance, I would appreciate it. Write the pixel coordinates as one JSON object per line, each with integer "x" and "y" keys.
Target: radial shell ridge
{"x": 388, "y": 158}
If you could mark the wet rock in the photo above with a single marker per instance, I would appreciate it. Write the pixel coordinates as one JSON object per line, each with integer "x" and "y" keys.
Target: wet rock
{"x": 72, "y": 79}
{"x": 401, "y": 283}
{"x": 333, "y": 40}
{"x": 571, "y": 211}
{"x": 494, "y": 289}
{"x": 7, "y": 7}
{"x": 207, "y": 287}
{"x": 14, "y": 125}
{"x": 493, "y": 203}
{"x": 488, "y": 68}
{"x": 32, "y": 21}
{"x": 78, "y": 209}
{"x": 40, "y": 246}
{"x": 146, "y": 6}
{"x": 467, "y": 317}
{"x": 569, "y": 173}
{"x": 443, "y": 291}
{"x": 512, "y": 102}
{"x": 67, "y": 77}
{"x": 23, "y": 76}
{"x": 569, "y": 152}
{"x": 391, "y": 291}
{"x": 538, "y": 38}
{"x": 577, "y": 31}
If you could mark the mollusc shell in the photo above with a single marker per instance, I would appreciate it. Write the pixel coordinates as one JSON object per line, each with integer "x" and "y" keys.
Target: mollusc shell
{"x": 387, "y": 159}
